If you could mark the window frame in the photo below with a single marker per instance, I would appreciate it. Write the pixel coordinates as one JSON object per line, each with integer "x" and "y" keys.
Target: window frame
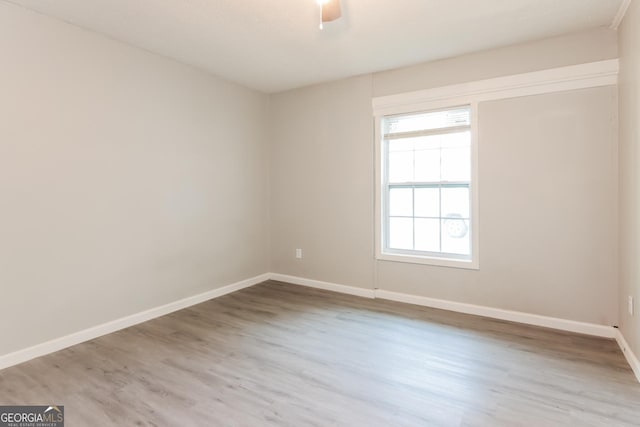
{"x": 381, "y": 218}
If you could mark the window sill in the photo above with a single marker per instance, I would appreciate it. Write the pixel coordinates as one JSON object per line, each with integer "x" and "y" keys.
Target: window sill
{"x": 438, "y": 262}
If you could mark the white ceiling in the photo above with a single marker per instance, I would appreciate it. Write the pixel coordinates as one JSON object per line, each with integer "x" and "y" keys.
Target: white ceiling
{"x": 274, "y": 45}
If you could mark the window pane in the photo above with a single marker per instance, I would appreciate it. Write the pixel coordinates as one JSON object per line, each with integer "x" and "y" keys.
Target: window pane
{"x": 427, "y": 235}
{"x": 455, "y": 236}
{"x": 401, "y": 202}
{"x": 456, "y": 140}
{"x": 456, "y": 164}
{"x": 429, "y": 142}
{"x": 455, "y": 201}
{"x": 431, "y": 120}
{"x": 401, "y": 166}
{"x": 427, "y": 166}
{"x": 430, "y": 153}
{"x": 403, "y": 144}
{"x": 427, "y": 202}
{"x": 401, "y": 233}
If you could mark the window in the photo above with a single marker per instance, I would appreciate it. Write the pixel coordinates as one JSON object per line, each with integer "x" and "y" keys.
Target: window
{"x": 426, "y": 198}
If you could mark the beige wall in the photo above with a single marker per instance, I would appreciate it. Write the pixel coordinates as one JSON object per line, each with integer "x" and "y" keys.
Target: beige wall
{"x": 548, "y": 179}
{"x": 571, "y": 49}
{"x": 321, "y": 182}
{"x": 127, "y": 180}
{"x": 629, "y": 95}
{"x": 548, "y": 206}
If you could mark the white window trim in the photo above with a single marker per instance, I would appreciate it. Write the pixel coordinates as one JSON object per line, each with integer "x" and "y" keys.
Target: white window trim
{"x": 581, "y": 76}
{"x": 474, "y": 263}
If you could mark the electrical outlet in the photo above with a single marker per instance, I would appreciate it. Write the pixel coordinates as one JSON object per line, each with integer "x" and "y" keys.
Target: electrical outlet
{"x": 630, "y": 305}
{"x": 299, "y": 253}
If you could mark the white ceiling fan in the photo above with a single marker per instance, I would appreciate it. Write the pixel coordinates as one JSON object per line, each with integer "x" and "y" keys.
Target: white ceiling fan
{"x": 329, "y": 11}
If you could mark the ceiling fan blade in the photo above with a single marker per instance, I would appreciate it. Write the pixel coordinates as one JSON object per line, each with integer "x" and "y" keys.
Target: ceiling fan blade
{"x": 331, "y": 10}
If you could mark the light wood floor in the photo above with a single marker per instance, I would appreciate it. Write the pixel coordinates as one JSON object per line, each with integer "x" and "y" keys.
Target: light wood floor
{"x": 285, "y": 355}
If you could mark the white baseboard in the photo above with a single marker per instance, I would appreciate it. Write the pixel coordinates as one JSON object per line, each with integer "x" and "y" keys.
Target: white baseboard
{"x": 498, "y": 313}
{"x": 134, "y": 319}
{"x": 351, "y": 290}
{"x": 495, "y": 313}
{"x": 38, "y": 350}
{"x": 628, "y": 353}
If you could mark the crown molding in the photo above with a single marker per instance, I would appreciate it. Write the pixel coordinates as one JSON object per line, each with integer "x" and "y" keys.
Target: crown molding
{"x": 622, "y": 10}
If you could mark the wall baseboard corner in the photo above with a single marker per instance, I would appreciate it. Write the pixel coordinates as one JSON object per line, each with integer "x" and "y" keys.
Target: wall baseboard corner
{"x": 628, "y": 354}
{"x": 327, "y": 286}
{"x": 61, "y": 343}
{"x": 57, "y": 344}
{"x": 494, "y": 313}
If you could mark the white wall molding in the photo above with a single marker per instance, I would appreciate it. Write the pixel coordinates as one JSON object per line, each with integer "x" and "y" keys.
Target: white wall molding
{"x": 494, "y": 313}
{"x": 122, "y": 323}
{"x": 498, "y": 313}
{"x": 622, "y": 11}
{"x": 57, "y": 344}
{"x": 327, "y": 286}
{"x": 628, "y": 353}
{"x": 593, "y": 74}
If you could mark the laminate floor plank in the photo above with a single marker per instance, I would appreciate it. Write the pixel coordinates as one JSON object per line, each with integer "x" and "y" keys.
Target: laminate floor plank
{"x": 283, "y": 355}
